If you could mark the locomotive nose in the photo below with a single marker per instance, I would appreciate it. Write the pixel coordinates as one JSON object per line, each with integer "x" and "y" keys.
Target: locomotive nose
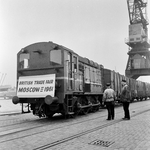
{"x": 15, "y": 99}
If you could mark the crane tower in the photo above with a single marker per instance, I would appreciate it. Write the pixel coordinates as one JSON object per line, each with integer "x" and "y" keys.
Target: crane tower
{"x": 139, "y": 55}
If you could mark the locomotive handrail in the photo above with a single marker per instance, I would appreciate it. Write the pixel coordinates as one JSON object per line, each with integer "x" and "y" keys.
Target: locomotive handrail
{"x": 43, "y": 68}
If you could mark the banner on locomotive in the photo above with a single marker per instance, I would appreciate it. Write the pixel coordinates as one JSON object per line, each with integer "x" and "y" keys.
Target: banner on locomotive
{"x": 36, "y": 86}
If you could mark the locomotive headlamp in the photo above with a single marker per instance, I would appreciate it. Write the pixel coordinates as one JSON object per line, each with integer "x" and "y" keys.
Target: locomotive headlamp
{"x": 24, "y": 50}
{"x": 15, "y": 99}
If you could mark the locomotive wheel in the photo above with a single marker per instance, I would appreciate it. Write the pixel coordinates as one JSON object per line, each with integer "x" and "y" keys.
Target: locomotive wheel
{"x": 67, "y": 116}
{"x": 97, "y": 108}
{"x": 85, "y": 111}
{"x": 72, "y": 115}
{"x": 76, "y": 112}
{"x": 94, "y": 109}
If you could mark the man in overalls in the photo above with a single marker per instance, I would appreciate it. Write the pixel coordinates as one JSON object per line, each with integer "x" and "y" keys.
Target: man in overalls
{"x": 109, "y": 98}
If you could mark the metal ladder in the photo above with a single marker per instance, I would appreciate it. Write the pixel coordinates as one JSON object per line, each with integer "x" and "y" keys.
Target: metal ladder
{"x": 70, "y": 105}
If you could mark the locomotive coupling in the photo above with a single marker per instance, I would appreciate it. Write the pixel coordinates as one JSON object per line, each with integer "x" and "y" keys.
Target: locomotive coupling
{"x": 49, "y": 99}
{"x": 15, "y": 99}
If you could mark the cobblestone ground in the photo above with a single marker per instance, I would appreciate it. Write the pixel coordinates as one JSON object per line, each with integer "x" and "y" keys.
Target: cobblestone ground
{"x": 121, "y": 135}
{"x": 125, "y": 135}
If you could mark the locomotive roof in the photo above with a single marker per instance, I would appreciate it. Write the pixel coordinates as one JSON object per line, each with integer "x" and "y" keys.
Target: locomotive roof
{"x": 90, "y": 62}
{"x": 85, "y": 60}
{"x": 51, "y": 44}
{"x": 54, "y": 45}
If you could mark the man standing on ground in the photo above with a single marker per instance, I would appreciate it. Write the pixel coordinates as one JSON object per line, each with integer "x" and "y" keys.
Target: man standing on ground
{"x": 125, "y": 99}
{"x": 109, "y": 98}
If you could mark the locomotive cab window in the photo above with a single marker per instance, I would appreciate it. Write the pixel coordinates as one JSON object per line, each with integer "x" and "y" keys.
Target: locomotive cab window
{"x": 24, "y": 60}
{"x": 55, "y": 57}
{"x": 75, "y": 63}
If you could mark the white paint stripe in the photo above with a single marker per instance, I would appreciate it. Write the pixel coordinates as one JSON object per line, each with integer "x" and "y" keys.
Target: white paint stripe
{"x": 66, "y": 78}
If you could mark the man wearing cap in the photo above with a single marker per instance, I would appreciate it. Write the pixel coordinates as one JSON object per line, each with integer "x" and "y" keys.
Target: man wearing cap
{"x": 109, "y": 98}
{"x": 125, "y": 99}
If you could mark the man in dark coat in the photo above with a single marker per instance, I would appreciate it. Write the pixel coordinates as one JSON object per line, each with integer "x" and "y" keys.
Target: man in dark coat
{"x": 125, "y": 98}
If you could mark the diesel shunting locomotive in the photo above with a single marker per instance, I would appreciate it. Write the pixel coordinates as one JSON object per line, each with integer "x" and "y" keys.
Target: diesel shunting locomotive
{"x": 54, "y": 79}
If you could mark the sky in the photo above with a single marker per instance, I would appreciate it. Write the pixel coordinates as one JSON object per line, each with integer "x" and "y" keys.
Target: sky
{"x": 95, "y": 29}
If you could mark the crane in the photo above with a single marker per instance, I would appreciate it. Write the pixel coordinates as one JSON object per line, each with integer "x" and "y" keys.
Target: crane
{"x": 139, "y": 56}
{"x": 137, "y": 12}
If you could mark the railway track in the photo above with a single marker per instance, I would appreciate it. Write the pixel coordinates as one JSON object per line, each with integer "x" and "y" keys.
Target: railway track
{"x": 47, "y": 146}
{"x": 18, "y": 133}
